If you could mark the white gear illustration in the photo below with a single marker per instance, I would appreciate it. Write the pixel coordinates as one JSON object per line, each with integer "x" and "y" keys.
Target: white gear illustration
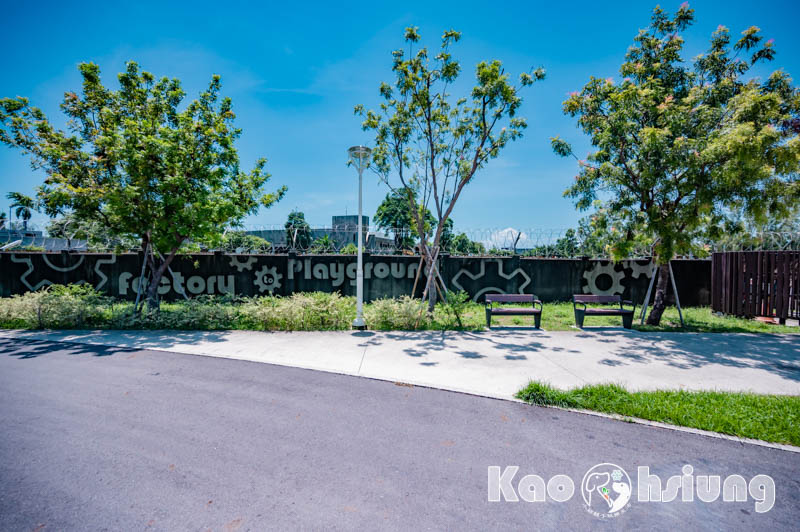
{"x": 641, "y": 269}
{"x": 268, "y": 278}
{"x": 242, "y": 265}
{"x": 598, "y": 270}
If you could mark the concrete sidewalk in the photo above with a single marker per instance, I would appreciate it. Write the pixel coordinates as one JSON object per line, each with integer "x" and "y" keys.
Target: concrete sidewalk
{"x": 495, "y": 363}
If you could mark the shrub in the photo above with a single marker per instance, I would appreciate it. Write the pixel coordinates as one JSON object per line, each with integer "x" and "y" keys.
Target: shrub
{"x": 305, "y": 311}
{"x": 404, "y": 313}
{"x": 456, "y": 307}
{"x": 349, "y": 249}
{"x": 56, "y": 307}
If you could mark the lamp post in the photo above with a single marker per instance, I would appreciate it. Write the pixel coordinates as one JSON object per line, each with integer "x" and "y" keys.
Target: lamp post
{"x": 359, "y": 155}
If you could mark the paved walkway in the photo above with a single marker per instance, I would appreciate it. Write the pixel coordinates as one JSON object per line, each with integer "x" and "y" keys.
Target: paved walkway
{"x": 495, "y": 363}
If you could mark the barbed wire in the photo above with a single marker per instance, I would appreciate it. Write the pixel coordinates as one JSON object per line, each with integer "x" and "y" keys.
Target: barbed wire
{"x": 276, "y": 239}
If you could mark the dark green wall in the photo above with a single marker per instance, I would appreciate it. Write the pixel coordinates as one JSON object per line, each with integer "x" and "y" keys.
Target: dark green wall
{"x": 385, "y": 275}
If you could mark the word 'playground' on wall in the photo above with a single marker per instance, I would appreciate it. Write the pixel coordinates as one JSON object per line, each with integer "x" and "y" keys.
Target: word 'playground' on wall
{"x": 384, "y": 275}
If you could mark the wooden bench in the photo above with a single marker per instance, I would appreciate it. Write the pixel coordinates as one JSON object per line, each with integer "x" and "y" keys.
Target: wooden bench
{"x": 491, "y": 310}
{"x": 583, "y": 299}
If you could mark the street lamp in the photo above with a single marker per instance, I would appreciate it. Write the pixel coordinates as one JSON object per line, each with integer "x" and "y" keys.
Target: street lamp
{"x": 359, "y": 155}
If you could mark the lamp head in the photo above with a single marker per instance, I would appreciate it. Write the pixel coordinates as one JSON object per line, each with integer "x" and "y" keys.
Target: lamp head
{"x": 359, "y": 155}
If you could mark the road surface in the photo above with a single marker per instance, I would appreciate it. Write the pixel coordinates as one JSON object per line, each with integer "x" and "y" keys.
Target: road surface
{"x": 98, "y": 438}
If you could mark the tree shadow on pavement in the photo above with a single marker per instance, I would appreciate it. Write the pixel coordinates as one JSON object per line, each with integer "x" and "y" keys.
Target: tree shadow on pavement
{"x": 777, "y": 354}
{"x": 24, "y": 349}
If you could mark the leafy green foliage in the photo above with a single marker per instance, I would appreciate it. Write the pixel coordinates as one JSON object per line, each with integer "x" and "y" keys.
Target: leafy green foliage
{"x": 56, "y": 307}
{"x": 323, "y": 244}
{"x": 433, "y": 144}
{"x": 80, "y": 306}
{"x": 97, "y": 235}
{"x": 460, "y": 244}
{"x": 241, "y": 242}
{"x": 773, "y": 418}
{"x": 678, "y": 145}
{"x": 595, "y": 236}
{"x": 396, "y": 215}
{"x": 392, "y": 314}
{"x": 298, "y": 232}
{"x": 141, "y": 161}
{"x": 349, "y": 249}
{"x": 457, "y": 305}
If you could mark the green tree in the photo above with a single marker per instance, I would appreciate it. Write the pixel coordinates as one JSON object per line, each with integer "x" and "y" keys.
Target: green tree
{"x": 678, "y": 144}
{"x": 142, "y": 161}
{"x": 298, "y": 232}
{"x": 447, "y": 235}
{"x": 23, "y": 207}
{"x": 395, "y": 214}
{"x": 349, "y": 249}
{"x": 431, "y": 143}
{"x": 240, "y": 240}
{"x": 323, "y": 244}
{"x": 462, "y": 245}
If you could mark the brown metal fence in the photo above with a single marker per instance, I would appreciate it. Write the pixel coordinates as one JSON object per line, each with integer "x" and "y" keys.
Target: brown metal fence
{"x": 756, "y": 283}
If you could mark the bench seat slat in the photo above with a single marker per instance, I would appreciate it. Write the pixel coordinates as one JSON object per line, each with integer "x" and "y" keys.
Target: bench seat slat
{"x": 512, "y": 311}
{"x": 607, "y": 311}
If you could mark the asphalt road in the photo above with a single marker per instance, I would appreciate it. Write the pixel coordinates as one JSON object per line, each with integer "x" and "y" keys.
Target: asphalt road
{"x": 96, "y": 438}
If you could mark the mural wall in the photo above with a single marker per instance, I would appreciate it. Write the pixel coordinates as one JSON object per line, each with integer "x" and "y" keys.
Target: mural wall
{"x": 384, "y": 276}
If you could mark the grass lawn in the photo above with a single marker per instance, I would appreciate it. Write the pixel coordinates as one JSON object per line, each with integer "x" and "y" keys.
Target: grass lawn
{"x": 774, "y": 418}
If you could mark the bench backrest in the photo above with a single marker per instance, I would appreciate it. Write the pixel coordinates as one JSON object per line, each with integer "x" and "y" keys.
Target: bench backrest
{"x": 589, "y": 298}
{"x": 510, "y": 298}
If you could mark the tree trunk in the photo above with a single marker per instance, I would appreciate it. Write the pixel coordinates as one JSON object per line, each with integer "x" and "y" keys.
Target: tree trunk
{"x": 431, "y": 280}
{"x": 153, "y": 301}
{"x": 660, "y": 302}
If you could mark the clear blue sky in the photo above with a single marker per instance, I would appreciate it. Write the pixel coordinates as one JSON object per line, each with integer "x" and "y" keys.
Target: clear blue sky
{"x": 295, "y": 71}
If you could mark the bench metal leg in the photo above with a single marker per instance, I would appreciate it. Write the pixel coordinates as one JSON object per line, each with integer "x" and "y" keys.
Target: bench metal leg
{"x": 579, "y": 315}
{"x": 537, "y": 320}
{"x": 627, "y": 320}
{"x": 488, "y": 319}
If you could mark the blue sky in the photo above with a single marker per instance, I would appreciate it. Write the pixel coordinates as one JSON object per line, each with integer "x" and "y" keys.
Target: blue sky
{"x": 295, "y": 71}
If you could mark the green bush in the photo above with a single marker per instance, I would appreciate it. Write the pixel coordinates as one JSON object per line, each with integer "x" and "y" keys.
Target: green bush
{"x": 56, "y": 307}
{"x": 310, "y": 311}
{"x": 349, "y": 249}
{"x": 404, "y": 313}
{"x": 456, "y": 307}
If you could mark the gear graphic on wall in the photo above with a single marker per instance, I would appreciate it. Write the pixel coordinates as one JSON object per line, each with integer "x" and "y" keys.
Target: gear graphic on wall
{"x": 599, "y": 269}
{"x": 478, "y": 289}
{"x": 268, "y": 278}
{"x": 242, "y": 265}
{"x": 640, "y": 269}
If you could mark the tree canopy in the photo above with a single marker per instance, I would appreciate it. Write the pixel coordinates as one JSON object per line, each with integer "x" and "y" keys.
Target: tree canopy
{"x": 141, "y": 161}
{"x": 434, "y": 144}
{"x": 395, "y": 214}
{"x": 678, "y": 145}
{"x": 298, "y": 232}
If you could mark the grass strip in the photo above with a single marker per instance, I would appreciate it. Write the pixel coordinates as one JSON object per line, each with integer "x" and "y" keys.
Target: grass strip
{"x": 773, "y": 418}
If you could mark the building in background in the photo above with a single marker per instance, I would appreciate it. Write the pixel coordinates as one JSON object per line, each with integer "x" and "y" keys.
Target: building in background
{"x": 343, "y": 231}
